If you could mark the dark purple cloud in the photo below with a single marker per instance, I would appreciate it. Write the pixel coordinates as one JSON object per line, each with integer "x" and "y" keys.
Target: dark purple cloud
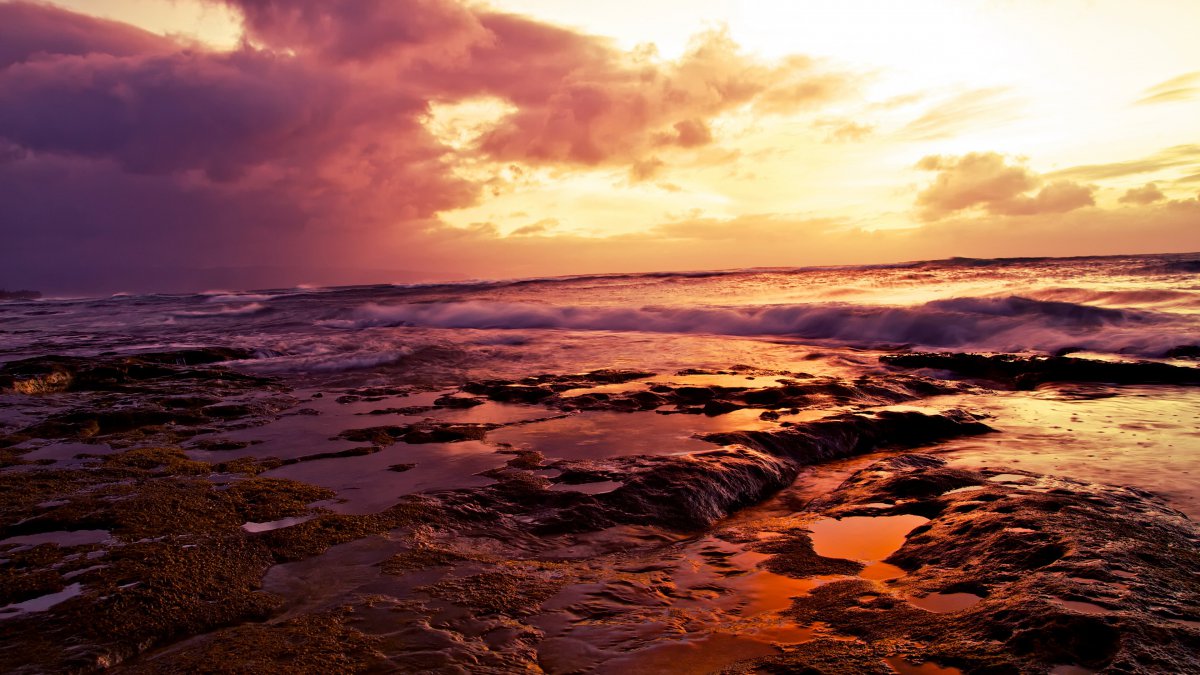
{"x": 128, "y": 158}
{"x": 31, "y": 31}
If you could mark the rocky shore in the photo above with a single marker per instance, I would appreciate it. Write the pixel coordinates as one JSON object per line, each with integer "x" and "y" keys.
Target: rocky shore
{"x": 139, "y": 531}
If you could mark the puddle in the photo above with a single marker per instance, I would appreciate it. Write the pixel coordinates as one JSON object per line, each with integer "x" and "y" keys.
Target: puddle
{"x": 881, "y": 571}
{"x": 1083, "y": 607}
{"x": 294, "y": 435}
{"x": 942, "y": 603}
{"x": 764, "y": 592}
{"x": 968, "y": 488}
{"x": 597, "y": 488}
{"x": 1011, "y": 478}
{"x": 1143, "y": 438}
{"x": 618, "y": 388}
{"x": 708, "y": 654}
{"x": 904, "y": 667}
{"x": 41, "y": 604}
{"x": 276, "y": 524}
{"x": 812, "y": 415}
{"x": 327, "y": 579}
{"x": 368, "y": 486}
{"x": 722, "y": 607}
{"x": 599, "y": 435}
{"x": 1071, "y": 670}
{"x": 490, "y": 412}
{"x": 865, "y": 538}
{"x": 64, "y": 453}
{"x": 731, "y": 381}
{"x": 62, "y": 538}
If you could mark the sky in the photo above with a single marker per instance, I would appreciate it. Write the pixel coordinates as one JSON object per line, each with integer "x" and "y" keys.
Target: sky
{"x": 190, "y": 144}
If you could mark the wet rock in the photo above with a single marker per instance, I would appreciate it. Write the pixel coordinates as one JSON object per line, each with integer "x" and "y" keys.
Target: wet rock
{"x": 421, "y": 432}
{"x": 524, "y": 459}
{"x": 820, "y": 657}
{"x": 542, "y": 387}
{"x": 1067, "y": 573}
{"x": 52, "y": 374}
{"x": 795, "y": 556}
{"x": 693, "y": 491}
{"x": 313, "y": 644}
{"x": 188, "y": 402}
{"x": 407, "y": 411}
{"x": 554, "y": 391}
{"x": 222, "y": 444}
{"x": 315, "y": 536}
{"x": 497, "y": 592}
{"x": 161, "y": 397}
{"x": 337, "y": 454}
{"x": 457, "y": 402}
{"x": 715, "y": 408}
{"x": 1028, "y": 372}
{"x": 179, "y": 564}
{"x": 850, "y": 434}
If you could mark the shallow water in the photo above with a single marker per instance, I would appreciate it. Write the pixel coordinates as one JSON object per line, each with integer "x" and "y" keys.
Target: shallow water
{"x": 62, "y": 538}
{"x": 678, "y": 601}
{"x": 41, "y": 603}
{"x": 596, "y": 435}
{"x": 366, "y": 484}
{"x": 1145, "y": 437}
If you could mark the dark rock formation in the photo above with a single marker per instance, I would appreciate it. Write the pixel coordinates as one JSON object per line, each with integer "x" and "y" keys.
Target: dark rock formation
{"x": 695, "y": 490}
{"x": 1027, "y": 372}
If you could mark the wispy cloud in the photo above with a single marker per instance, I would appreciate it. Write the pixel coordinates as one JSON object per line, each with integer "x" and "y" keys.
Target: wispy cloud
{"x": 1179, "y": 155}
{"x": 962, "y": 112}
{"x": 1182, "y": 88}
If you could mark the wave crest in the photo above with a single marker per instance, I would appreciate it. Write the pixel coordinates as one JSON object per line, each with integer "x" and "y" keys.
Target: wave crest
{"x": 1010, "y": 323}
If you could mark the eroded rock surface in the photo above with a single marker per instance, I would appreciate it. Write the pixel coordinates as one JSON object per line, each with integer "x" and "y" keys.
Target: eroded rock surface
{"x": 152, "y": 561}
{"x": 1054, "y": 572}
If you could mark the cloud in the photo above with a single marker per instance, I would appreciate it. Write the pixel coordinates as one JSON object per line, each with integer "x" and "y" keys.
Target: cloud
{"x": 986, "y": 181}
{"x": 1168, "y": 158}
{"x": 31, "y": 31}
{"x": 646, "y": 169}
{"x": 1182, "y": 88}
{"x": 843, "y": 130}
{"x": 596, "y": 106}
{"x": 540, "y": 227}
{"x": 363, "y": 30}
{"x": 962, "y": 112}
{"x": 219, "y": 113}
{"x": 1147, "y": 194}
{"x": 311, "y": 139}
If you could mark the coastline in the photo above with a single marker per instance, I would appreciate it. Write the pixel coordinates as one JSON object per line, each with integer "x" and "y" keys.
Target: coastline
{"x": 514, "y": 566}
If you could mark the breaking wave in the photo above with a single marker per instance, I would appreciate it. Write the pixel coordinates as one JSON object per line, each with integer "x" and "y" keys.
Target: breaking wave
{"x": 224, "y": 311}
{"x": 990, "y": 323}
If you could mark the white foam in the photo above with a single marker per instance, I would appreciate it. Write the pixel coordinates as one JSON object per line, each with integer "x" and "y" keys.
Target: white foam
{"x": 240, "y": 310}
{"x": 1008, "y": 324}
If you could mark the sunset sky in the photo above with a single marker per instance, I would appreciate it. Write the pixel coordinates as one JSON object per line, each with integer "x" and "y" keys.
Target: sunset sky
{"x": 190, "y": 144}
